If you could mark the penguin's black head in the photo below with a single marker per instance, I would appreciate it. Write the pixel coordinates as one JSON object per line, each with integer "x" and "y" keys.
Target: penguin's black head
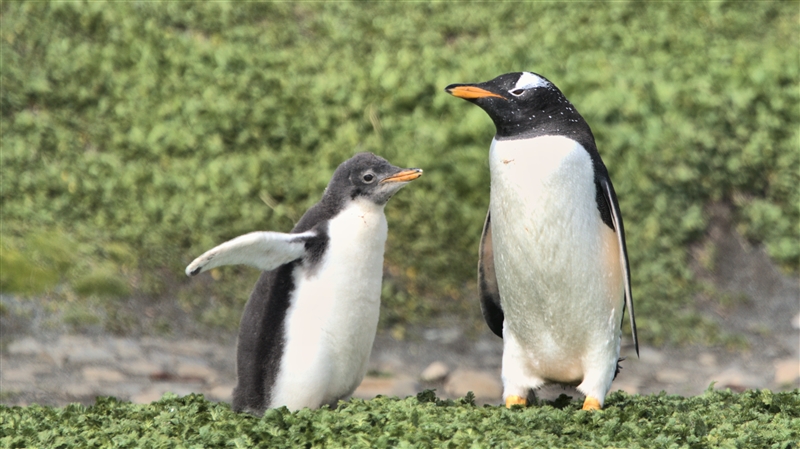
{"x": 518, "y": 102}
{"x": 366, "y": 175}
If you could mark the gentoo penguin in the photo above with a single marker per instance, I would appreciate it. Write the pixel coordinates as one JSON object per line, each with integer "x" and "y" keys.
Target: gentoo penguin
{"x": 553, "y": 267}
{"x": 308, "y": 327}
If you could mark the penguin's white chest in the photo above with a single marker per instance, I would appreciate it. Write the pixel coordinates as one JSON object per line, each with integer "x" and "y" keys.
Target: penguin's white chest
{"x": 562, "y": 302}
{"x": 331, "y": 322}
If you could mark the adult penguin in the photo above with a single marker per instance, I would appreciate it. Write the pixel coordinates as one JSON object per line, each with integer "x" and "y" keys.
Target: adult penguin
{"x": 553, "y": 270}
{"x": 308, "y": 327}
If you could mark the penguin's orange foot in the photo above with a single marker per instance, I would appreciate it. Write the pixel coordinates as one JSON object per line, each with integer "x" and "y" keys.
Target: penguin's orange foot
{"x": 591, "y": 403}
{"x": 516, "y": 400}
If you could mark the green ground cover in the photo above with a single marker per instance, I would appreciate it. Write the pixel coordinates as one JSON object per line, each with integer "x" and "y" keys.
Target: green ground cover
{"x": 753, "y": 419}
{"x": 136, "y": 135}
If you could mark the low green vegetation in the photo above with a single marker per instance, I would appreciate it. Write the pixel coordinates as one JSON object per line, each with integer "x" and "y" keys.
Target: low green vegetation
{"x": 753, "y": 419}
{"x": 136, "y": 135}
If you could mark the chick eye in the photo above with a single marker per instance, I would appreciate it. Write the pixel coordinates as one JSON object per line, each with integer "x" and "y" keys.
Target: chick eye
{"x": 368, "y": 178}
{"x": 517, "y": 92}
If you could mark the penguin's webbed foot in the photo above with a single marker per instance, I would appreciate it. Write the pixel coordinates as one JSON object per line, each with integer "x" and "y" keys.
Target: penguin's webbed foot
{"x": 591, "y": 403}
{"x": 516, "y": 400}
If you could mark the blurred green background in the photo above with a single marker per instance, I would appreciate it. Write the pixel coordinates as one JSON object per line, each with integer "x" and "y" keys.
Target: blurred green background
{"x": 136, "y": 135}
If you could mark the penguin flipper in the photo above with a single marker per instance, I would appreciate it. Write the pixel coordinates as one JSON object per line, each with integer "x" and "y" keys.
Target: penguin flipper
{"x": 487, "y": 282}
{"x": 263, "y": 250}
{"x": 616, "y": 218}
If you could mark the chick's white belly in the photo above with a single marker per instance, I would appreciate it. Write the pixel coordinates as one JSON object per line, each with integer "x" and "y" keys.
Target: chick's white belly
{"x": 331, "y": 323}
{"x": 561, "y": 300}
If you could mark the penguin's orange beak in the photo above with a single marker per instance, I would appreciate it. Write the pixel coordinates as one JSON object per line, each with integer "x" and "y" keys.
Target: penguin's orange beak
{"x": 404, "y": 176}
{"x": 468, "y": 92}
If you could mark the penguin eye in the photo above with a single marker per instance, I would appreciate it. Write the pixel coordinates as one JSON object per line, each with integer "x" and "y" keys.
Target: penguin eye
{"x": 517, "y": 92}
{"x": 368, "y": 178}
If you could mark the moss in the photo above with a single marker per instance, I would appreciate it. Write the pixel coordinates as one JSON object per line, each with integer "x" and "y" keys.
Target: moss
{"x": 102, "y": 283}
{"x": 21, "y": 275}
{"x": 714, "y": 419}
{"x": 80, "y": 316}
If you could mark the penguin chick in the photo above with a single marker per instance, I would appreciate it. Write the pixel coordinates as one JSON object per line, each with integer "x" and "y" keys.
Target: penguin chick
{"x": 553, "y": 268}
{"x": 307, "y": 330}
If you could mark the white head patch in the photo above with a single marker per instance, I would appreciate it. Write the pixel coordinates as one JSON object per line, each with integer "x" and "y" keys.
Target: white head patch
{"x": 529, "y": 80}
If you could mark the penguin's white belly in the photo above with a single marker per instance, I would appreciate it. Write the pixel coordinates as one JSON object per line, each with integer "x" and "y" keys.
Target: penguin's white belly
{"x": 557, "y": 263}
{"x": 331, "y": 322}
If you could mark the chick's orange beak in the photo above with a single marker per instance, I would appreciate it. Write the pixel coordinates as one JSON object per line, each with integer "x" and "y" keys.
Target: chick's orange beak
{"x": 405, "y": 175}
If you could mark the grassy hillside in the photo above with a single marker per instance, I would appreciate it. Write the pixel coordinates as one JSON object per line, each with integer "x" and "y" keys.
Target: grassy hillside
{"x": 716, "y": 419}
{"x": 136, "y": 135}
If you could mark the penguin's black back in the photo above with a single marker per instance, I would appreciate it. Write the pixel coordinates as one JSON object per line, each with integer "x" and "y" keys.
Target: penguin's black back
{"x": 261, "y": 342}
{"x": 261, "y": 330}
